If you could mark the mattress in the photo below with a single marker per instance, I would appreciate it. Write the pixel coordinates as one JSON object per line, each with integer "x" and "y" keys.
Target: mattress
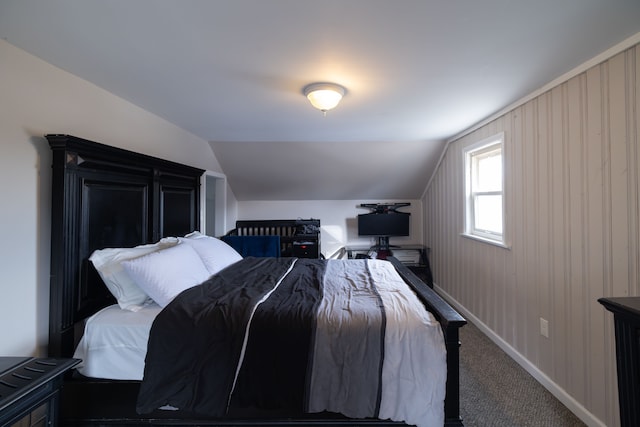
{"x": 114, "y": 344}
{"x": 343, "y": 336}
{"x": 411, "y": 368}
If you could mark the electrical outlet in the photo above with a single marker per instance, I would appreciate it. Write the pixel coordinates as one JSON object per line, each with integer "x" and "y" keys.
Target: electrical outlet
{"x": 544, "y": 327}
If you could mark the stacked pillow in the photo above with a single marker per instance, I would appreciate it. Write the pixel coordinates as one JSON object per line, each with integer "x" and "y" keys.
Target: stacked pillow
{"x": 215, "y": 253}
{"x": 160, "y": 271}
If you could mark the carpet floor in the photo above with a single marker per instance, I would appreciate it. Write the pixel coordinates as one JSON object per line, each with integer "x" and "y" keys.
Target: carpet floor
{"x": 495, "y": 391}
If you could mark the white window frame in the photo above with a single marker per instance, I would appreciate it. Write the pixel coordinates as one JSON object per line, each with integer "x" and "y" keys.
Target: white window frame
{"x": 495, "y": 142}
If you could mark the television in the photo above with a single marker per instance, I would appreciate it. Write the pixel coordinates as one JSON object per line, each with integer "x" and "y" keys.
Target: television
{"x": 383, "y": 224}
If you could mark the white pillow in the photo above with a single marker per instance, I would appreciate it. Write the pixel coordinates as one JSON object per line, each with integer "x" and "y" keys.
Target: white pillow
{"x": 215, "y": 253}
{"x": 108, "y": 263}
{"x": 166, "y": 273}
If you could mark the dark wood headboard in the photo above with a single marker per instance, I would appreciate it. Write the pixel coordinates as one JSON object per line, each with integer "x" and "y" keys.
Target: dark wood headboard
{"x": 103, "y": 197}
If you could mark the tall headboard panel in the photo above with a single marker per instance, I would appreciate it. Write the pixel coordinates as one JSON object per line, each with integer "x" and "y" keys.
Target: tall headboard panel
{"x": 102, "y": 197}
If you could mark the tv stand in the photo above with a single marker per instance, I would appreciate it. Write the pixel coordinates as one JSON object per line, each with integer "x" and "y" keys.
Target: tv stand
{"x": 382, "y": 248}
{"x": 383, "y": 243}
{"x": 418, "y": 264}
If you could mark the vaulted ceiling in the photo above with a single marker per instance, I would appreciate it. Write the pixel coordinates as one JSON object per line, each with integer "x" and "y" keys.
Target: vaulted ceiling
{"x": 416, "y": 72}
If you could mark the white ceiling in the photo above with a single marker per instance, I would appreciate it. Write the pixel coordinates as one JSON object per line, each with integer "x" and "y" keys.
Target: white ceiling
{"x": 416, "y": 71}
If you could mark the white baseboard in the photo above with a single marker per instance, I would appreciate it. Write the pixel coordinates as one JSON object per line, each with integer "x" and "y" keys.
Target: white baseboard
{"x": 573, "y": 405}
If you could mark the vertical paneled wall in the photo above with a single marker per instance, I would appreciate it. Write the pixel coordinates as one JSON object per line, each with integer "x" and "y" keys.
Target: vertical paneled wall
{"x": 573, "y": 219}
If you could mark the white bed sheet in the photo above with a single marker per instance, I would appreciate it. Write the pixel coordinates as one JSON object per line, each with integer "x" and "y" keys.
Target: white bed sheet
{"x": 114, "y": 344}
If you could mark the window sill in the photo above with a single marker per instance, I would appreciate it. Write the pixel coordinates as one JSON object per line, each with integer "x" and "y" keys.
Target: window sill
{"x": 489, "y": 241}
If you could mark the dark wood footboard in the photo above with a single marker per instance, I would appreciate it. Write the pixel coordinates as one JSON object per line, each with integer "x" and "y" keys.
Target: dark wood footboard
{"x": 112, "y": 403}
{"x": 451, "y": 321}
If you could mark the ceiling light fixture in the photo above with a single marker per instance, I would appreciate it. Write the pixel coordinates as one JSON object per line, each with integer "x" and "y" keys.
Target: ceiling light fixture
{"x": 324, "y": 96}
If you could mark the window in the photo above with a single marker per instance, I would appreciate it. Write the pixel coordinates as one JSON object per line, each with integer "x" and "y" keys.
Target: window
{"x": 484, "y": 198}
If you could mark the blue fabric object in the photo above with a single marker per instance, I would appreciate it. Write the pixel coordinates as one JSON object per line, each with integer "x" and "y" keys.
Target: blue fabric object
{"x": 257, "y": 246}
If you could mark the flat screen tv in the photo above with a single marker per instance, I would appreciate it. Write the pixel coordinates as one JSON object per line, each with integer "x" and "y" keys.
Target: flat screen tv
{"x": 384, "y": 224}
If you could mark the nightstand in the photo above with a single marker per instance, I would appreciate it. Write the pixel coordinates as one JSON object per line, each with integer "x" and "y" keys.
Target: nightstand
{"x": 30, "y": 388}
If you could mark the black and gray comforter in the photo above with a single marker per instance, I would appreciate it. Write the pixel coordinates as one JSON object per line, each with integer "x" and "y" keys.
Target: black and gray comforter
{"x": 298, "y": 335}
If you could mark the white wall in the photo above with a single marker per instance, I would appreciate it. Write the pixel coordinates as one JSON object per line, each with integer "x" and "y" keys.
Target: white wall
{"x": 37, "y": 99}
{"x": 337, "y": 219}
{"x": 573, "y": 213}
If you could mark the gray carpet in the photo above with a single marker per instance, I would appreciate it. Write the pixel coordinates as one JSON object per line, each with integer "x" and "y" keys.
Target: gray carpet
{"x": 496, "y": 391}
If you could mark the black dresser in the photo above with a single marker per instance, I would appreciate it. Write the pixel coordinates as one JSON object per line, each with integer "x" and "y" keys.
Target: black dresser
{"x": 626, "y": 316}
{"x": 30, "y": 389}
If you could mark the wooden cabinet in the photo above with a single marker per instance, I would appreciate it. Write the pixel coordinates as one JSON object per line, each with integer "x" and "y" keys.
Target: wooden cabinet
{"x": 30, "y": 390}
{"x": 626, "y": 315}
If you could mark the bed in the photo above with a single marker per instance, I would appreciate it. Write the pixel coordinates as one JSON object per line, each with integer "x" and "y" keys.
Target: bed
{"x": 104, "y": 197}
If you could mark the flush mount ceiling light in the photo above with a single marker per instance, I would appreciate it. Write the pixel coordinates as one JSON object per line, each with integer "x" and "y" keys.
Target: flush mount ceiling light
{"x": 324, "y": 96}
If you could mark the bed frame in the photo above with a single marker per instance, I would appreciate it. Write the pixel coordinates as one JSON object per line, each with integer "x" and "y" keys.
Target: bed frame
{"x": 108, "y": 197}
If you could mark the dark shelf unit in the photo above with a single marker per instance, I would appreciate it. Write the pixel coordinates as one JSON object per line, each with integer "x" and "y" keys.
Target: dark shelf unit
{"x": 298, "y": 237}
{"x": 626, "y": 316}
